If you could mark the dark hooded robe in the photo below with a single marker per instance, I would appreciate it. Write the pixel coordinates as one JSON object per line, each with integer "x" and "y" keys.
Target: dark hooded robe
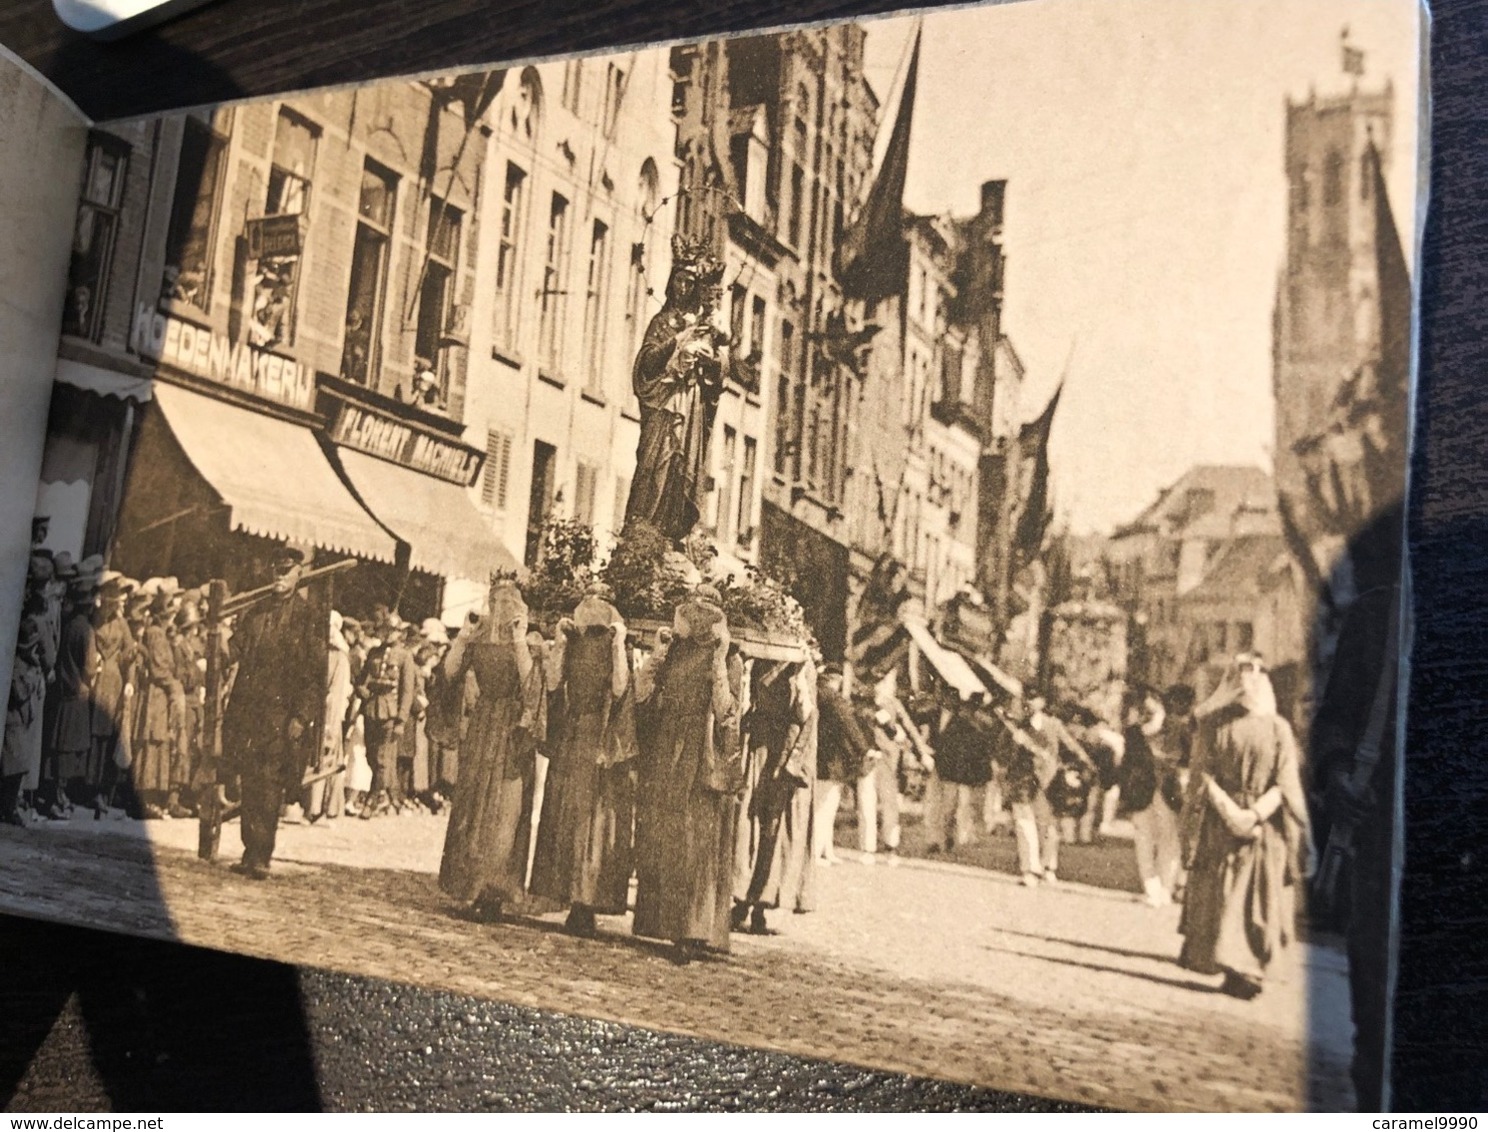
{"x": 1240, "y": 906}
{"x": 486, "y": 843}
{"x": 584, "y": 840}
{"x": 690, "y": 776}
{"x": 774, "y": 864}
{"x": 279, "y": 646}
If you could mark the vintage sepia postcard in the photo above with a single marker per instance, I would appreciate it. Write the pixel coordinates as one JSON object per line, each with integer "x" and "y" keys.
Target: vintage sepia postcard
{"x": 878, "y": 540}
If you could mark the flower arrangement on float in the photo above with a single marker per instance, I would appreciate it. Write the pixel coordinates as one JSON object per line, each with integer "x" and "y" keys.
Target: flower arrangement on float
{"x": 649, "y": 578}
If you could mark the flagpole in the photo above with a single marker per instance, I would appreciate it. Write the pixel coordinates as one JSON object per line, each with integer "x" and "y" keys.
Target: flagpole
{"x": 1012, "y": 491}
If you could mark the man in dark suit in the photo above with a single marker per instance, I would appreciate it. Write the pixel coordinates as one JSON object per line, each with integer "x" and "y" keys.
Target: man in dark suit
{"x": 271, "y": 723}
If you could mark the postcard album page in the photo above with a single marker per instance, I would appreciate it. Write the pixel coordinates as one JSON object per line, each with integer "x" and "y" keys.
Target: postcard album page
{"x": 878, "y": 540}
{"x": 41, "y": 149}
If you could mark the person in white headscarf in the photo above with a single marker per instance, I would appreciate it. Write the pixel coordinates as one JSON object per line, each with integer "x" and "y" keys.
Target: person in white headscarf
{"x": 486, "y": 845}
{"x": 1245, "y": 833}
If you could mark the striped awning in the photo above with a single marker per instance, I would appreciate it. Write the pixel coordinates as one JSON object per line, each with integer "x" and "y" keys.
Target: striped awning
{"x": 949, "y": 666}
{"x": 271, "y": 474}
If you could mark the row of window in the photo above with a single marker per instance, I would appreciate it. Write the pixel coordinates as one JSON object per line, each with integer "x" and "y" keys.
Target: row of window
{"x": 555, "y": 288}
{"x": 951, "y": 484}
{"x": 736, "y": 478}
{"x": 543, "y": 493}
{"x": 273, "y": 270}
{"x": 1222, "y": 639}
{"x": 1334, "y": 224}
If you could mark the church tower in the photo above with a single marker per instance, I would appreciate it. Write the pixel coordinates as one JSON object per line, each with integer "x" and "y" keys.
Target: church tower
{"x": 1327, "y": 303}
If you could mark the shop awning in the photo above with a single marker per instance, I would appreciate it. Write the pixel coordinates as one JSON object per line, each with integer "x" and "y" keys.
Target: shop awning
{"x": 272, "y": 474}
{"x": 949, "y": 666}
{"x": 104, "y": 382}
{"x": 445, "y": 532}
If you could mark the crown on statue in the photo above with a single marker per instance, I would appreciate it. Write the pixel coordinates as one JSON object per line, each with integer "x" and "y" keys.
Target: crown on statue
{"x": 695, "y": 257}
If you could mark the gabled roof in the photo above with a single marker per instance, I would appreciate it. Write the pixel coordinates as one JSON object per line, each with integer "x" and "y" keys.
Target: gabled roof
{"x": 1239, "y": 569}
{"x": 1235, "y": 487}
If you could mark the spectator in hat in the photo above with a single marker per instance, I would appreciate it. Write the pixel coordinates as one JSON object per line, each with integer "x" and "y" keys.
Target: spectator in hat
{"x": 115, "y": 646}
{"x": 878, "y": 786}
{"x": 358, "y": 778}
{"x": 190, "y": 648}
{"x": 69, "y": 740}
{"x": 162, "y": 710}
{"x": 387, "y": 686}
{"x": 43, "y": 597}
{"x": 450, "y": 700}
{"x": 23, "y": 709}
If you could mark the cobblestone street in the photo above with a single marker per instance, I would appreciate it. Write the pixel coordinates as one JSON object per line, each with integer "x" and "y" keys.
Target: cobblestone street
{"x": 932, "y": 968}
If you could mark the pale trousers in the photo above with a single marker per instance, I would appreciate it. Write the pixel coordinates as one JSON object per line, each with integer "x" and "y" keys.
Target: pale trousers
{"x": 828, "y": 799}
{"x": 1155, "y": 831}
{"x": 878, "y": 796}
{"x": 1037, "y": 833}
{"x": 951, "y": 811}
{"x": 992, "y": 802}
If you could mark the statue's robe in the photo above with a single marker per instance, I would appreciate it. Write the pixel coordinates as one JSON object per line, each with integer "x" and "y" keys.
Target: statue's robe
{"x": 678, "y": 398}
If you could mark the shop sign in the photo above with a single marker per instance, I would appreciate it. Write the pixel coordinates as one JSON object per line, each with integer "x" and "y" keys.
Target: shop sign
{"x": 213, "y": 357}
{"x": 401, "y": 442}
{"x": 275, "y": 236}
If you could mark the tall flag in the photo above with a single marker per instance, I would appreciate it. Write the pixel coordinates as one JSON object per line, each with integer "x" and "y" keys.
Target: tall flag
{"x": 872, "y": 259}
{"x": 1033, "y": 482}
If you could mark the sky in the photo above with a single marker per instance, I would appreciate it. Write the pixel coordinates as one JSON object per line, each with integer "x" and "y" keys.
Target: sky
{"x": 1143, "y": 145}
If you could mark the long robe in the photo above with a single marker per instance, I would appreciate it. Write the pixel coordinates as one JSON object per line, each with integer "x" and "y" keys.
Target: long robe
{"x": 115, "y": 645}
{"x": 774, "y": 863}
{"x": 327, "y": 796}
{"x": 191, "y": 655}
{"x": 160, "y": 711}
{"x": 688, "y": 799}
{"x": 70, "y": 736}
{"x": 485, "y": 846}
{"x": 678, "y": 399}
{"x": 1240, "y": 904}
{"x": 584, "y": 840}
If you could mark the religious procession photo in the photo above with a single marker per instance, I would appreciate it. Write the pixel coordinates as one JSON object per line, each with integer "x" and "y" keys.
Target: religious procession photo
{"x": 881, "y": 541}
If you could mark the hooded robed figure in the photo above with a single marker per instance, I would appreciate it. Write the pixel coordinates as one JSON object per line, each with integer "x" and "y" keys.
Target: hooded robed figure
{"x": 774, "y": 865}
{"x": 691, "y": 773}
{"x": 583, "y": 855}
{"x": 485, "y": 846}
{"x": 678, "y": 379}
{"x": 1245, "y": 833}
